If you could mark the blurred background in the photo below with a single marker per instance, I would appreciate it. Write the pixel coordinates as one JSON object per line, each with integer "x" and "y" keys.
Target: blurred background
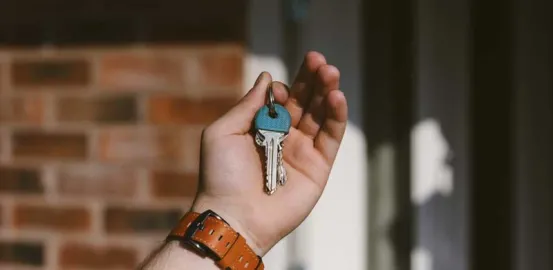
{"x": 447, "y": 161}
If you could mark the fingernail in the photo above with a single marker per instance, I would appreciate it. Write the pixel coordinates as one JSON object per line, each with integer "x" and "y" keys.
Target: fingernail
{"x": 259, "y": 78}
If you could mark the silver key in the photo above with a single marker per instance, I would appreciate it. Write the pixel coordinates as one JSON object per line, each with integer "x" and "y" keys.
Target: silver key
{"x": 271, "y": 141}
{"x": 272, "y": 123}
{"x": 281, "y": 171}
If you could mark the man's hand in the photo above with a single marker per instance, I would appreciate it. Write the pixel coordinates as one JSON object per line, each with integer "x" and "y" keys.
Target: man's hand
{"x": 231, "y": 170}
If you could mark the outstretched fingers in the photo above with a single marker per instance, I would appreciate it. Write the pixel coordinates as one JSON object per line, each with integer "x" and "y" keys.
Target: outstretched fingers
{"x": 327, "y": 79}
{"x": 330, "y": 136}
{"x": 302, "y": 88}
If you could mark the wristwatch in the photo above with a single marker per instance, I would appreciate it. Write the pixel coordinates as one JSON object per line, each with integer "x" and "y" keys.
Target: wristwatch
{"x": 210, "y": 235}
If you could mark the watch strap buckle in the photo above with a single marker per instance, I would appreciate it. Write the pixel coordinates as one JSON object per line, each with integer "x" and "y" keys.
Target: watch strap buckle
{"x": 199, "y": 224}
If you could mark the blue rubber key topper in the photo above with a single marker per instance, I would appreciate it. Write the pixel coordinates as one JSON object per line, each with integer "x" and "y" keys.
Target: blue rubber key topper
{"x": 280, "y": 122}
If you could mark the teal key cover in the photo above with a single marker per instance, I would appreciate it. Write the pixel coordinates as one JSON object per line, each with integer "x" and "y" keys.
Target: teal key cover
{"x": 281, "y": 123}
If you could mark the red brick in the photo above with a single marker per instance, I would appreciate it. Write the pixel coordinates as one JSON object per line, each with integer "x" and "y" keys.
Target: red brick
{"x": 20, "y": 181}
{"x": 130, "y": 71}
{"x": 119, "y": 109}
{"x": 178, "y": 110}
{"x": 61, "y": 219}
{"x": 50, "y": 72}
{"x": 31, "y": 144}
{"x": 79, "y": 255}
{"x": 97, "y": 181}
{"x": 21, "y": 253}
{"x": 173, "y": 185}
{"x": 224, "y": 69}
{"x": 26, "y": 110}
{"x": 134, "y": 220}
{"x": 142, "y": 146}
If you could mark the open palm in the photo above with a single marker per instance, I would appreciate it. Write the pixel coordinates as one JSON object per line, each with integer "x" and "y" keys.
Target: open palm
{"x": 231, "y": 171}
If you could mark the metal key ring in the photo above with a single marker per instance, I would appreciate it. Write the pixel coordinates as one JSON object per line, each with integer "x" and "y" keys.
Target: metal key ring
{"x": 272, "y": 110}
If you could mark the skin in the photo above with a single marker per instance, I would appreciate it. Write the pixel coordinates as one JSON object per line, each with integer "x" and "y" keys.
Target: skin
{"x": 231, "y": 168}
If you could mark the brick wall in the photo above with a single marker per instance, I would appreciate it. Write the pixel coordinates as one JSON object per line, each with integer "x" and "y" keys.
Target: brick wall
{"x": 99, "y": 148}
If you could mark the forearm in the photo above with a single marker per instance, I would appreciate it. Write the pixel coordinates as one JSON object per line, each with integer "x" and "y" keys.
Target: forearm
{"x": 175, "y": 256}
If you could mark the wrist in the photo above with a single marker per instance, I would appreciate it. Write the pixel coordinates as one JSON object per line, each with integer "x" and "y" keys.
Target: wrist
{"x": 235, "y": 223}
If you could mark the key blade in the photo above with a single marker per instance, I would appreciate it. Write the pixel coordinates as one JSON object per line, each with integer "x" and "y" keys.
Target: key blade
{"x": 272, "y": 142}
{"x": 281, "y": 170}
{"x": 272, "y": 155}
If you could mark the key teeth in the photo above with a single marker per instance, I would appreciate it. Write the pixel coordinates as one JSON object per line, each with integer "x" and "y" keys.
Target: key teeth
{"x": 282, "y": 176}
{"x": 281, "y": 170}
{"x": 268, "y": 189}
{"x": 259, "y": 139}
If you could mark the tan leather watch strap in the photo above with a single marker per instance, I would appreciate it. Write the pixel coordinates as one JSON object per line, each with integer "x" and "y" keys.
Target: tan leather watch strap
{"x": 212, "y": 236}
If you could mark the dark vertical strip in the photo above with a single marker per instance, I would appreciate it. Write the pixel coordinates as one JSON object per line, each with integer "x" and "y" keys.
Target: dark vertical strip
{"x": 388, "y": 113}
{"x": 292, "y": 35}
{"x": 534, "y": 129}
{"x": 492, "y": 181}
{"x": 403, "y": 89}
{"x": 378, "y": 120}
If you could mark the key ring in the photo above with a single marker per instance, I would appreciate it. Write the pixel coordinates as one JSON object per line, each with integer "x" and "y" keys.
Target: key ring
{"x": 272, "y": 110}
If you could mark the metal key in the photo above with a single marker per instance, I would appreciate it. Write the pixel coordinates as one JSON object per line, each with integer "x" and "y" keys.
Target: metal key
{"x": 272, "y": 123}
{"x": 281, "y": 179}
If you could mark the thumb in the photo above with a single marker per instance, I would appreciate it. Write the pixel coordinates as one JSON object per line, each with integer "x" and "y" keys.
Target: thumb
{"x": 238, "y": 119}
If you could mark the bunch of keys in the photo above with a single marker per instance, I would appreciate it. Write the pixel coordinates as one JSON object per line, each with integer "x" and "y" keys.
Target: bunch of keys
{"x": 272, "y": 123}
